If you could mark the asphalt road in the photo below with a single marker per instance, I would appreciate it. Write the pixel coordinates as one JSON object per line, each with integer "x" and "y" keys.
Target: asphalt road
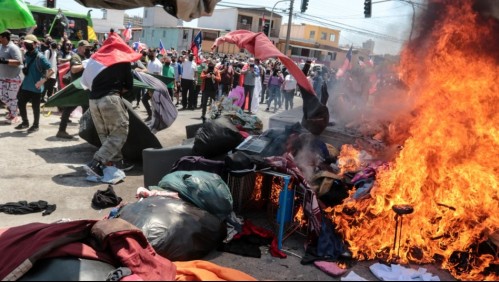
{"x": 40, "y": 166}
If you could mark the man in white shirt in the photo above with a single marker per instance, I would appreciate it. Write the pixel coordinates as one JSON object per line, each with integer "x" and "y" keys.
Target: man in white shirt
{"x": 52, "y": 56}
{"x": 154, "y": 66}
{"x": 187, "y": 82}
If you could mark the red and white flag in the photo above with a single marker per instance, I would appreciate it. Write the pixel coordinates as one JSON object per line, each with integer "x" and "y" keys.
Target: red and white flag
{"x": 113, "y": 51}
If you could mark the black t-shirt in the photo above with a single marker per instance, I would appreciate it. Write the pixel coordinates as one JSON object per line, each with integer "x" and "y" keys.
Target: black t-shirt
{"x": 112, "y": 80}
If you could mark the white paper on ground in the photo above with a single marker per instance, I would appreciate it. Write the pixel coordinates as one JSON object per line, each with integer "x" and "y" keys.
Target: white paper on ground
{"x": 396, "y": 272}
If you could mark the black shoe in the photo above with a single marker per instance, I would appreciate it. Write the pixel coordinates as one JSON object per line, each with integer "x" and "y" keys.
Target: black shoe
{"x": 22, "y": 126}
{"x": 94, "y": 168}
{"x": 32, "y": 129}
{"x": 64, "y": 135}
{"x": 148, "y": 119}
{"x": 123, "y": 165}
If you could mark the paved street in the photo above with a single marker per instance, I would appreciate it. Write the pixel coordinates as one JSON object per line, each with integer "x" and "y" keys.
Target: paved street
{"x": 42, "y": 167}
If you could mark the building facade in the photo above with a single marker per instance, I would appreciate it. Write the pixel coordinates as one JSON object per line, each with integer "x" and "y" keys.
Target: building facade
{"x": 252, "y": 19}
{"x": 311, "y": 42}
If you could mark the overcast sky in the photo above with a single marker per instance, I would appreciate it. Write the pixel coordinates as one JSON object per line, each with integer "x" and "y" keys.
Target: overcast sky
{"x": 390, "y": 19}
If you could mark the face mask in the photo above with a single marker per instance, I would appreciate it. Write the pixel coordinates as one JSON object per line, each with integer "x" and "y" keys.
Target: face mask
{"x": 150, "y": 58}
{"x": 167, "y": 64}
{"x": 87, "y": 53}
{"x": 29, "y": 47}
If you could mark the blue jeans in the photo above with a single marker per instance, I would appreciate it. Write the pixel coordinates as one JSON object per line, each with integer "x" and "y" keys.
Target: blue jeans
{"x": 274, "y": 95}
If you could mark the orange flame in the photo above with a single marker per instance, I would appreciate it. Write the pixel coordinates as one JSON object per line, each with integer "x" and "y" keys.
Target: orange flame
{"x": 448, "y": 168}
{"x": 349, "y": 159}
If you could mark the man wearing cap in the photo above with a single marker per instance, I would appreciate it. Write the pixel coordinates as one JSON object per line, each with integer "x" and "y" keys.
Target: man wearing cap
{"x": 10, "y": 70}
{"x": 36, "y": 70}
{"x": 76, "y": 68}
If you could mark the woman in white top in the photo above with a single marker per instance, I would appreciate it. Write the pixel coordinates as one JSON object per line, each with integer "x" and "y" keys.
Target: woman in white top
{"x": 289, "y": 87}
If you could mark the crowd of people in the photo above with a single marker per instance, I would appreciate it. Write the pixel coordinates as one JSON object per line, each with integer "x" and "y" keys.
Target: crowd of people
{"x": 29, "y": 73}
{"x": 196, "y": 82}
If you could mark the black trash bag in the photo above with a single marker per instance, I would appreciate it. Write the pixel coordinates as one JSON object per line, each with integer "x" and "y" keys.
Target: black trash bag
{"x": 139, "y": 137}
{"x": 216, "y": 137}
{"x": 68, "y": 269}
{"x": 176, "y": 229}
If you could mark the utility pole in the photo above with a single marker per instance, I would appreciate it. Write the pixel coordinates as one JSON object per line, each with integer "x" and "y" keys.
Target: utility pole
{"x": 286, "y": 47}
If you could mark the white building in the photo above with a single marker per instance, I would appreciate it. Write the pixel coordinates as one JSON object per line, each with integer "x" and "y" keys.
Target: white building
{"x": 110, "y": 19}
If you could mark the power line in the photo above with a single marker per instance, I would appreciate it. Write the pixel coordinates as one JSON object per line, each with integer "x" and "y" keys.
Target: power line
{"x": 330, "y": 23}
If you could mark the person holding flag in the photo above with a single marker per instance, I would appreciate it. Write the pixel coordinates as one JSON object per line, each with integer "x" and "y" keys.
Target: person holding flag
{"x": 196, "y": 47}
{"x": 108, "y": 75}
{"x": 127, "y": 32}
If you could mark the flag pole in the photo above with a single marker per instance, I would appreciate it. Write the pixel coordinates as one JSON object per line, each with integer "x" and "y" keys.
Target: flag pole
{"x": 53, "y": 22}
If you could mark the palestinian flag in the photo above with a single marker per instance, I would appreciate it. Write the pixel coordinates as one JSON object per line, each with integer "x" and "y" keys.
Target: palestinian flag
{"x": 113, "y": 51}
{"x": 15, "y": 14}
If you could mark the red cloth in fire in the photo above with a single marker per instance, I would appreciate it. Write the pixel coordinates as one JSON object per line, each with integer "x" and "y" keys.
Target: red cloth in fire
{"x": 120, "y": 244}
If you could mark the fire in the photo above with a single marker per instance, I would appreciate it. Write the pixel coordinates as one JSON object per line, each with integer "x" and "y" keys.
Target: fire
{"x": 448, "y": 168}
{"x": 349, "y": 159}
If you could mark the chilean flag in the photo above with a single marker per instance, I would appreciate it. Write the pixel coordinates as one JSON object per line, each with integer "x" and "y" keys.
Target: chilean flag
{"x": 162, "y": 49}
{"x": 127, "y": 32}
{"x": 196, "y": 47}
{"x": 138, "y": 46}
{"x": 114, "y": 50}
{"x": 346, "y": 64}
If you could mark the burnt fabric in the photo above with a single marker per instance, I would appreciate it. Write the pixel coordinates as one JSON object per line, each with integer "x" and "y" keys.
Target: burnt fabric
{"x": 114, "y": 241}
{"x": 315, "y": 114}
{"x": 23, "y": 207}
{"x": 106, "y": 198}
{"x": 279, "y": 138}
{"x": 329, "y": 245}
